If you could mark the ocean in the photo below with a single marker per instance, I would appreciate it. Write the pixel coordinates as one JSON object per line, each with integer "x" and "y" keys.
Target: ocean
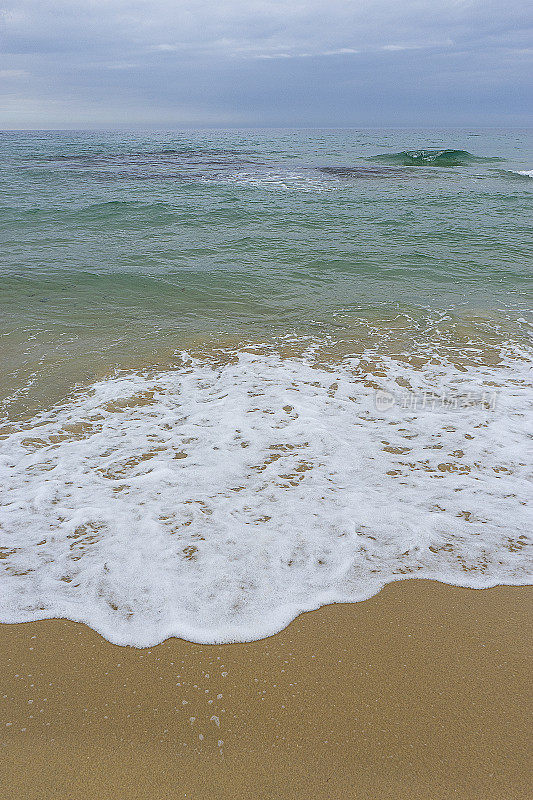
{"x": 246, "y": 373}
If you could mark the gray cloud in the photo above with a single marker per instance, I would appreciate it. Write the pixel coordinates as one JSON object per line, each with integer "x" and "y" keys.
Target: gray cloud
{"x": 344, "y": 62}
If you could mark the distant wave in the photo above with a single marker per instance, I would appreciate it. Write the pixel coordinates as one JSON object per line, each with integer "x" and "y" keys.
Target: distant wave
{"x": 433, "y": 158}
{"x": 184, "y": 152}
{"x": 519, "y": 173}
{"x": 514, "y": 174}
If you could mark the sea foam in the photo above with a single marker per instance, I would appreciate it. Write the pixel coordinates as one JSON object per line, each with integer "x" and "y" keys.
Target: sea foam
{"x": 217, "y": 500}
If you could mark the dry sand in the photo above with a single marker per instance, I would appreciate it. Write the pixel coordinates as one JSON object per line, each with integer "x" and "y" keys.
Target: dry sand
{"x": 419, "y": 693}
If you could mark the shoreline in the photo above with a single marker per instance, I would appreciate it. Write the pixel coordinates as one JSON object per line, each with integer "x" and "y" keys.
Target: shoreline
{"x": 418, "y": 692}
{"x": 111, "y": 638}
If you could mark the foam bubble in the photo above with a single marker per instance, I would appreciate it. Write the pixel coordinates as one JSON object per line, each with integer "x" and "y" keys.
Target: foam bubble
{"x": 217, "y": 501}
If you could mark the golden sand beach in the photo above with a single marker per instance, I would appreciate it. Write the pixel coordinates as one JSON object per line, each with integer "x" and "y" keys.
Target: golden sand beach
{"x": 419, "y": 693}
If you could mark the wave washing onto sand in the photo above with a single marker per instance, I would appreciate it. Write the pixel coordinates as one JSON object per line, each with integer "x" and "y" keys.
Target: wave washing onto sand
{"x": 218, "y": 500}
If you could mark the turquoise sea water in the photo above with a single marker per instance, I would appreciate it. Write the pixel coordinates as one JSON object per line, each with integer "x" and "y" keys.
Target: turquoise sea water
{"x": 194, "y": 326}
{"x": 116, "y": 247}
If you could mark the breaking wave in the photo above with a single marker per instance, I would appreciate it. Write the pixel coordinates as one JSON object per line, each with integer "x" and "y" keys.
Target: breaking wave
{"x": 433, "y": 158}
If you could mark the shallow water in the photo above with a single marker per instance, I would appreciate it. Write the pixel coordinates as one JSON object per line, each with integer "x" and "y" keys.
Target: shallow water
{"x": 246, "y": 373}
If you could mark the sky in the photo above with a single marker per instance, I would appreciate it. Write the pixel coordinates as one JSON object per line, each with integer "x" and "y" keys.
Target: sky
{"x": 261, "y": 63}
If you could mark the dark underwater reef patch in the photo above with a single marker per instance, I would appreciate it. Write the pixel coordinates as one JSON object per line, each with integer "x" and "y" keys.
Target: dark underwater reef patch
{"x": 433, "y": 158}
{"x": 364, "y": 172}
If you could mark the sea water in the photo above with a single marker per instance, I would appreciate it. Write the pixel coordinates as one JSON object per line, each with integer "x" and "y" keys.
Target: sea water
{"x": 248, "y": 373}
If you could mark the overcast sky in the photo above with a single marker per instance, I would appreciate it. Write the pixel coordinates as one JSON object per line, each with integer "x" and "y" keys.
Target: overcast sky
{"x": 167, "y": 63}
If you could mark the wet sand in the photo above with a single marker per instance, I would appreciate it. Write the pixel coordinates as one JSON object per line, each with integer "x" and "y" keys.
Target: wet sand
{"x": 420, "y": 692}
